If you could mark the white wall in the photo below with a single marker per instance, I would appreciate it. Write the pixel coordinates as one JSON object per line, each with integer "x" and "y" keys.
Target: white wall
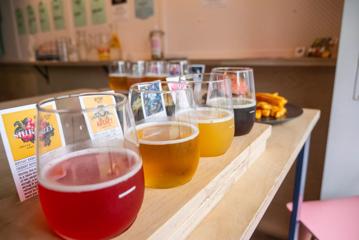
{"x": 237, "y": 28}
{"x": 341, "y": 171}
{"x": 247, "y": 28}
{"x": 133, "y": 32}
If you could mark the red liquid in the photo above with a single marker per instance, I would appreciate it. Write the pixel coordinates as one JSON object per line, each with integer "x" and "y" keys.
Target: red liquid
{"x": 92, "y": 195}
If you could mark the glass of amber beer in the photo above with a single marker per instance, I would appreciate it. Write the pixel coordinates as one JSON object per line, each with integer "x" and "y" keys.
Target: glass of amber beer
{"x": 117, "y": 72}
{"x": 169, "y": 144}
{"x": 156, "y": 70}
{"x": 136, "y": 72}
{"x": 91, "y": 182}
{"x": 213, "y": 113}
{"x": 244, "y": 97}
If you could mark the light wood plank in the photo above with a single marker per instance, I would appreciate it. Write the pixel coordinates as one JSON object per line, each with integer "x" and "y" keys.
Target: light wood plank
{"x": 241, "y": 209}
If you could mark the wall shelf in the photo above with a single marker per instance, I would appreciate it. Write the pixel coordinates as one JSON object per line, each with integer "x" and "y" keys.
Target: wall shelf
{"x": 265, "y": 62}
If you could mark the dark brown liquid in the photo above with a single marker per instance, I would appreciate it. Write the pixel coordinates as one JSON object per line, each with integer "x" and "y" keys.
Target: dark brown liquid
{"x": 244, "y": 119}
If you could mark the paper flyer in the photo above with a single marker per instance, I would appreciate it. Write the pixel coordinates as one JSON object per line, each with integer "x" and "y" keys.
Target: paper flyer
{"x": 98, "y": 12}
{"x": 17, "y": 128}
{"x": 144, "y": 9}
{"x": 104, "y": 121}
{"x": 79, "y": 12}
{"x": 20, "y": 21}
{"x": 44, "y": 17}
{"x": 58, "y": 14}
{"x": 31, "y": 19}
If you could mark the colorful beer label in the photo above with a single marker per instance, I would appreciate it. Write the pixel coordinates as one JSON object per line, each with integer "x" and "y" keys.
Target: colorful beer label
{"x": 153, "y": 102}
{"x": 180, "y": 96}
{"x": 17, "y": 128}
{"x": 101, "y": 116}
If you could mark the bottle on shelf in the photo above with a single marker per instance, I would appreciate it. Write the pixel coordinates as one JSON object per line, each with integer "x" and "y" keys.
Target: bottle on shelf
{"x": 103, "y": 46}
{"x": 115, "y": 43}
{"x": 82, "y": 45}
{"x": 156, "y": 41}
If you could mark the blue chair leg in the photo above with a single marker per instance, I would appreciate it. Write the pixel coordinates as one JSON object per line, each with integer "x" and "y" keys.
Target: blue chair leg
{"x": 299, "y": 185}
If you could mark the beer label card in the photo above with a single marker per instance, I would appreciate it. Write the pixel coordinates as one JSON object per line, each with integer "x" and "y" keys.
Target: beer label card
{"x": 197, "y": 69}
{"x": 153, "y": 103}
{"x": 17, "y": 128}
{"x": 180, "y": 97}
{"x": 102, "y": 120}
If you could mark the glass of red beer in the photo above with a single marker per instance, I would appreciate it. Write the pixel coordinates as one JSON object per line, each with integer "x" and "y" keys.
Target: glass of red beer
{"x": 91, "y": 182}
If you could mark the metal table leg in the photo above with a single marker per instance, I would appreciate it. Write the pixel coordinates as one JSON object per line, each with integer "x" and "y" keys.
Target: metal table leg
{"x": 299, "y": 185}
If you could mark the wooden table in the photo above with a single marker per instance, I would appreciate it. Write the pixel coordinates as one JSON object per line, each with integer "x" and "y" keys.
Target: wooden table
{"x": 234, "y": 217}
{"x": 242, "y": 208}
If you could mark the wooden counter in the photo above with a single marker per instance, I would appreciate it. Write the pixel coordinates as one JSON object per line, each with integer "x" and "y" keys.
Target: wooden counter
{"x": 268, "y": 62}
{"x": 243, "y": 202}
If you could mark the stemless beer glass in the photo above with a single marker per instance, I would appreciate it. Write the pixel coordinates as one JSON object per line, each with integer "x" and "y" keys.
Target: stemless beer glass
{"x": 169, "y": 143}
{"x": 118, "y": 76}
{"x": 156, "y": 70}
{"x": 244, "y": 97}
{"x": 177, "y": 68}
{"x": 91, "y": 182}
{"x": 214, "y": 112}
{"x": 135, "y": 73}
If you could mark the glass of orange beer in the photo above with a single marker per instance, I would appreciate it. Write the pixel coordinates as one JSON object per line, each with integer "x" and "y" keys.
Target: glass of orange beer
{"x": 117, "y": 72}
{"x": 169, "y": 144}
{"x": 213, "y": 112}
{"x": 90, "y": 176}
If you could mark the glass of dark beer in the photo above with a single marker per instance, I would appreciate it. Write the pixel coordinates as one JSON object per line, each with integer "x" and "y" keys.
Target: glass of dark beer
{"x": 243, "y": 97}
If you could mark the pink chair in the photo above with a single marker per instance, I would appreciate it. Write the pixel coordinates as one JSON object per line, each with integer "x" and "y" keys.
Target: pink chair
{"x": 331, "y": 219}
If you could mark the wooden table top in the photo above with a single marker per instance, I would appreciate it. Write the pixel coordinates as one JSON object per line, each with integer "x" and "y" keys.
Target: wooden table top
{"x": 236, "y": 215}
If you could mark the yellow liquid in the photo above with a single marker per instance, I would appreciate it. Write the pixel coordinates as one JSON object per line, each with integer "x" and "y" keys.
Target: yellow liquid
{"x": 216, "y": 130}
{"x": 170, "y": 153}
{"x": 118, "y": 82}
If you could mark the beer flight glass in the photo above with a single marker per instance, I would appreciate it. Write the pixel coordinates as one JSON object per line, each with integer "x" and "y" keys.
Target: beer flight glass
{"x": 213, "y": 112}
{"x": 135, "y": 72}
{"x": 169, "y": 141}
{"x": 91, "y": 182}
{"x": 243, "y": 97}
{"x": 156, "y": 70}
{"x": 117, "y": 72}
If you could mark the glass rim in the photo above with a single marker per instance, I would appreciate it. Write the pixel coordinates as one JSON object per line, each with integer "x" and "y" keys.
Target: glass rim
{"x": 118, "y": 61}
{"x": 140, "y": 61}
{"x": 40, "y": 108}
{"x": 156, "y": 61}
{"x": 232, "y": 69}
{"x": 135, "y": 88}
{"x": 200, "y": 74}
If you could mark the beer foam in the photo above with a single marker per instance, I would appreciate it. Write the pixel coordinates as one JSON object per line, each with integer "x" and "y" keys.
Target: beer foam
{"x": 197, "y": 113}
{"x": 240, "y": 103}
{"x": 174, "y": 123}
{"x": 53, "y": 185}
{"x": 117, "y": 74}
